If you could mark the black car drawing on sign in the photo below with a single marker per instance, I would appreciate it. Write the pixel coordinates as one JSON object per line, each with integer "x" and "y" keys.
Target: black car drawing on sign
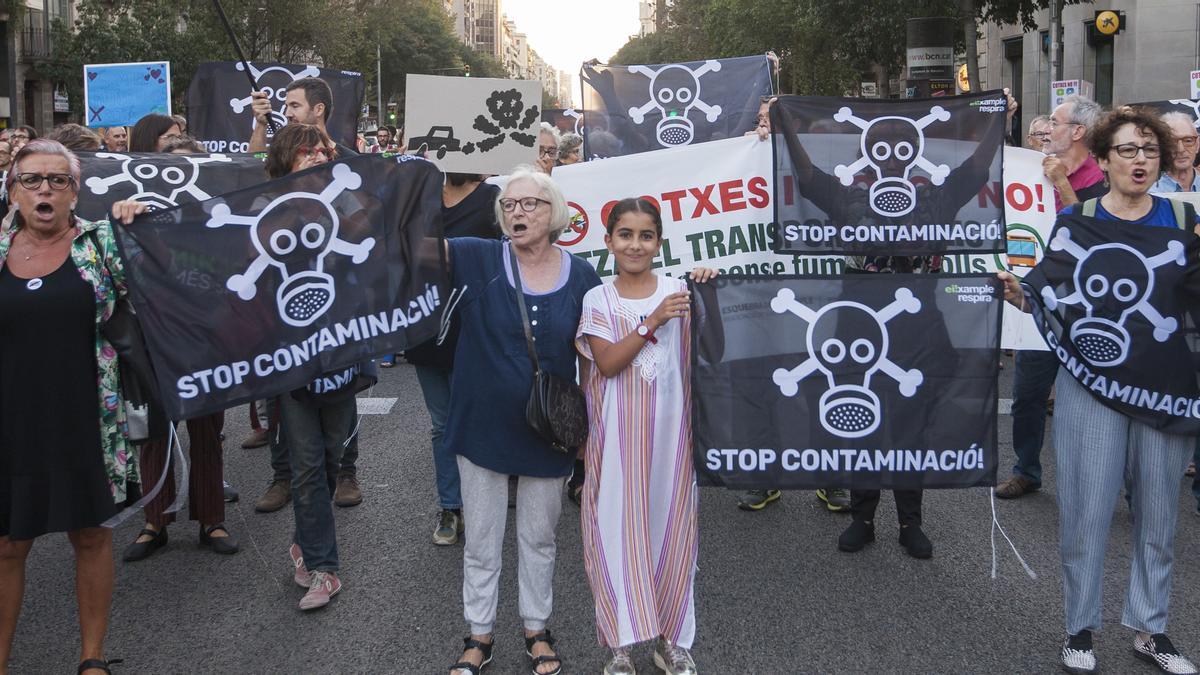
{"x": 439, "y": 139}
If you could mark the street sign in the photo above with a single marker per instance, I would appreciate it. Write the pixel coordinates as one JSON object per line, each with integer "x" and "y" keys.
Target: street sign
{"x": 1061, "y": 89}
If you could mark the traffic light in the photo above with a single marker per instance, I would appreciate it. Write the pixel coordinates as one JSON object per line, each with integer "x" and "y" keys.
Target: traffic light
{"x": 1110, "y": 22}
{"x": 392, "y": 108}
{"x": 467, "y": 70}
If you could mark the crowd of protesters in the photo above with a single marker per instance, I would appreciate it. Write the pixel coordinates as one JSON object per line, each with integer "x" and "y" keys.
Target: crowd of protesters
{"x": 526, "y": 299}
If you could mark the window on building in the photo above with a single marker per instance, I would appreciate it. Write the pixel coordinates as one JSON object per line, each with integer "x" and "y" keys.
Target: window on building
{"x": 1014, "y": 65}
{"x": 1098, "y": 63}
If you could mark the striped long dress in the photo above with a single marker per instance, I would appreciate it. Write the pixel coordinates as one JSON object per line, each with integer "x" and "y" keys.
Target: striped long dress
{"x": 639, "y": 500}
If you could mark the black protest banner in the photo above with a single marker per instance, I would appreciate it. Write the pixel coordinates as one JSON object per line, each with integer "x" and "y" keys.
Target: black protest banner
{"x": 566, "y": 120}
{"x": 631, "y": 109}
{"x": 1116, "y": 303}
{"x": 160, "y": 180}
{"x": 889, "y": 177}
{"x": 1189, "y": 107}
{"x": 261, "y": 291}
{"x": 218, "y": 102}
{"x": 857, "y": 381}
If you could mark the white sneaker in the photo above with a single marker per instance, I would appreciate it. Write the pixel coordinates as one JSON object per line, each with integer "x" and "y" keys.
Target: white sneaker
{"x": 1157, "y": 649}
{"x": 620, "y": 664}
{"x": 1078, "y": 655}
{"x": 673, "y": 659}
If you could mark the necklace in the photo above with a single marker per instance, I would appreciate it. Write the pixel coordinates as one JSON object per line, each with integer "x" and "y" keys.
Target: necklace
{"x": 28, "y": 245}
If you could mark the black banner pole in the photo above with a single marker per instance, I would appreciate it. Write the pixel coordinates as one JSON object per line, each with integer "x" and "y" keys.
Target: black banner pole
{"x": 241, "y": 57}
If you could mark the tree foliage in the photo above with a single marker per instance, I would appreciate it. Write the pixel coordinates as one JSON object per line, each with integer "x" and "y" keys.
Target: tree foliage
{"x": 413, "y": 36}
{"x": 825, "y": 46}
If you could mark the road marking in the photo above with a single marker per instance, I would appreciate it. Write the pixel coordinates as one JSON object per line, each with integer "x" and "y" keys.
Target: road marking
{"x": 1005, "y": 407}
{"x": 375, "y": 406}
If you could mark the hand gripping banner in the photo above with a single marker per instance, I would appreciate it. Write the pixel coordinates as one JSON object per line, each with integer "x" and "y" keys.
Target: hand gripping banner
{"x": 161, "y": 180}
{"x": 218, "y": 102}
{"x": 1117, "y": 304}
{"x": 261, "y": 291}
{"x": 854, "y": 381}
{"x": 631, "y": 109}
{"x": 889, "y": 177}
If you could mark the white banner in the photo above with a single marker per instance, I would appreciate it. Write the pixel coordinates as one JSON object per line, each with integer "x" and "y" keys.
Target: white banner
{"x": 715, "y": 200}
{"x": 1029, "y": 214}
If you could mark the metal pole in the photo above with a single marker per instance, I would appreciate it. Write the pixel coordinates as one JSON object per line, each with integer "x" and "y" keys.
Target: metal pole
{"x": 1056, "y": 66}
{"x": 241, "y": 57}
{"x": 378, "y": 88}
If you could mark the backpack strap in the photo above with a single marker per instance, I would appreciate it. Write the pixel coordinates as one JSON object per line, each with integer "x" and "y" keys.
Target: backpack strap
{"x": 1185, "y": 214}
{"x": 1088, "y": 209}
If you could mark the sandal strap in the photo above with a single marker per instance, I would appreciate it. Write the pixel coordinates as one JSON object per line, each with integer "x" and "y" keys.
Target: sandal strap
{"x": 149, "y": 533}
{"x": 544, "y": 636}
{"x": 485, "y": 647}
{"x": 98, "y": 664}
{"x": 536, "y": 662}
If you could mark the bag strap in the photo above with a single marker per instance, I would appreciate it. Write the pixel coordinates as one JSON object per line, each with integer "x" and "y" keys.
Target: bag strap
{"x": 1088, "y": 209}
{"x": 1185, "y": 214}
{"x": 519, "y": 287}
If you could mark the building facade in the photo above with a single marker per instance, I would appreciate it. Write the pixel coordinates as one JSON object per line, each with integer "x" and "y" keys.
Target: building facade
{"x": 1150, "y": 60}
{"x": 647, "y": 13}
{"x": 27, "y": 96}
{"x": 463, "y": 14}
{"x": 489, "y": 28}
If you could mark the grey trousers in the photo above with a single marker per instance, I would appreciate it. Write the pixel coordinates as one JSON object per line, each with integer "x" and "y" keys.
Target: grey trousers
{"x": 1094, "y": 445}
{"x": 485, "y": 512}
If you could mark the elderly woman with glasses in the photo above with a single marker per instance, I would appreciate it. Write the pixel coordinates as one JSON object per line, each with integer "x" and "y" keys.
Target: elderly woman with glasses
{"x": 1097, "y": 445}
{"x": 64, "y": 458}
{"x": 489, "y": 388}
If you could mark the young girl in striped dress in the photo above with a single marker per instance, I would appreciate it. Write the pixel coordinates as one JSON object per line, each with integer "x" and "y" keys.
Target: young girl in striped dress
{"x": 639, "y": 500}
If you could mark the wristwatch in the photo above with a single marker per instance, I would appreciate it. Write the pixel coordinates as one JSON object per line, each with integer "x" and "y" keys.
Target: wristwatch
{"x": 645, "y": 333}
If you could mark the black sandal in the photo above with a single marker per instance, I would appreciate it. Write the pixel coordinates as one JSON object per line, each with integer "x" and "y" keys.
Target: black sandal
{"x": 536, "y": 661}
{"x": 485, "y": 648}
{"x": 98, "y": 664}
{"x": 142, "y": 550}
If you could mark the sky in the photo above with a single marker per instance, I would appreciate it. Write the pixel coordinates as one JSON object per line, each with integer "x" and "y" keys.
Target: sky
{"x": 565, "y": 33}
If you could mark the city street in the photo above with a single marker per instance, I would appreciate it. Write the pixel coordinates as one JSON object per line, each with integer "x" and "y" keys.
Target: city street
{"x": 773, "y": 594}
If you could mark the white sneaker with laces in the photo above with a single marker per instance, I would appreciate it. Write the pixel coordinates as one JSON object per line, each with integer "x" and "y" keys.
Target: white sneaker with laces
{"x": 620, "y": 664}
{"x": 673, "y": 659}
{"x": 1157, "y": 649}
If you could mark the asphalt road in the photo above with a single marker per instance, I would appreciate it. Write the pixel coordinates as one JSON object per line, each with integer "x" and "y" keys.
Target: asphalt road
{"x": 773, "y": 593}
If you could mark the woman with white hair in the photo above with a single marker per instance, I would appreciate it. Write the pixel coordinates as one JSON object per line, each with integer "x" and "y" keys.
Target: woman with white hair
{"x": 490, "y": 386}
{"x": 548, "y": 140}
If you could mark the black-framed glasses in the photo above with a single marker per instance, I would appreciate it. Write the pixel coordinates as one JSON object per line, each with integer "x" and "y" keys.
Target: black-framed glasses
{"x": 1130, "y": 150}
{"x": 33, "y": 181}
{"x": 528, "y": 204}
{"x": 1040, "y": 135}
{"x": 547, "y": 152}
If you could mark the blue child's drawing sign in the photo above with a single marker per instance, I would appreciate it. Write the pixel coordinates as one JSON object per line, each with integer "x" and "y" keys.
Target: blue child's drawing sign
{"x": 119, "y": 94}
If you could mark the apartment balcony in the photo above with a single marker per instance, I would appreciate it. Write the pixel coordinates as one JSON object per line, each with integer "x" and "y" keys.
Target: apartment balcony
{"x": 37, "y": 44}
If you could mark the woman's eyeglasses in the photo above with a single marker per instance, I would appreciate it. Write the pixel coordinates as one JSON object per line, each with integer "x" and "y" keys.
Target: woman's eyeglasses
{"x": 33, "y": 181}
{"x": 1130, "y": 150}
{"x": 552, "y": 153}
{"x": 528, "y": 204}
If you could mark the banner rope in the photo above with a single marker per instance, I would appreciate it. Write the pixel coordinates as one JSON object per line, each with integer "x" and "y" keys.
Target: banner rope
{"x": 996, "y": 525}
{"x": 174, "y": 448}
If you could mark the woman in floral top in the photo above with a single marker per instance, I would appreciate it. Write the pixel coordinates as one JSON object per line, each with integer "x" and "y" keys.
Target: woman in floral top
{"x": 65, "y": 461}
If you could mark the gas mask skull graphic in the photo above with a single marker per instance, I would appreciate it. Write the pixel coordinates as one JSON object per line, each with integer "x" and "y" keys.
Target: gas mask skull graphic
{"x": 674, "y": 91}
{"x": 892, "y": 146}
{"x": 157, "y": 186}
{"x": 847, "y": 342}
{"x": 299, "y": 253}
{"x": 1100, "y": 337}
{"x": 274, "y": 80}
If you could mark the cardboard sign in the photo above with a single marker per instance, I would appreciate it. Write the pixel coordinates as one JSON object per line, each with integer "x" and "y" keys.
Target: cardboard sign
{"x": 471, "y": 124}
{"x": 120, "y": 94}
{"x": 1061, "y": 89}
{"x": 1195, "y": 88}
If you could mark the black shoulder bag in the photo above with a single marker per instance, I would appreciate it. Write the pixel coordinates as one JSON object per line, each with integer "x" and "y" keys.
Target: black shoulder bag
{"x": 557, "y": 409}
